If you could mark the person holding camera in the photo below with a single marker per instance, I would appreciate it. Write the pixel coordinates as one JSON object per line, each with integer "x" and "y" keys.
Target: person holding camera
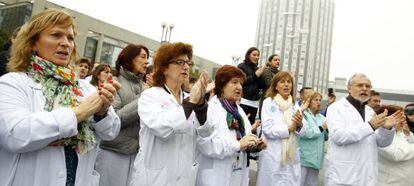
{"x": 223, "y": 157}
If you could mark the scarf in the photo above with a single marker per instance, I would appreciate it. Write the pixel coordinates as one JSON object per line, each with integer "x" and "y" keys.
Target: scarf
{"x": 60, "y": 88}
{"x": 234, "y": 119}
{"x": 136, "y": 78}
{"x": 288, "y": 144}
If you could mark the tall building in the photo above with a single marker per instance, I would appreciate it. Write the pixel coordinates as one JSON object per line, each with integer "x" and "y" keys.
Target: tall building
{"x": 300, "y": 32}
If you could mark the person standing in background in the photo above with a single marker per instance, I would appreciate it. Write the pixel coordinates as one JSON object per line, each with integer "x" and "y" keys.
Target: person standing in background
{"x": 116, "y": 158}
{"x": 253, "y": 85}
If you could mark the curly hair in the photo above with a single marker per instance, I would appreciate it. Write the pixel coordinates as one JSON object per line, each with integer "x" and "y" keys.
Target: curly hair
{"x": 163, "y": 57}
{"x": 29, "y": 34}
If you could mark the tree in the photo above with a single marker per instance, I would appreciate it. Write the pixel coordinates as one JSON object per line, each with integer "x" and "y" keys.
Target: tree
{"x": 4, "y": 38}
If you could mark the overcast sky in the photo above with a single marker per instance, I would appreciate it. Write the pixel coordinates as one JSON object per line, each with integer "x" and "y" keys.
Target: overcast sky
{"x": 375, "y": 37}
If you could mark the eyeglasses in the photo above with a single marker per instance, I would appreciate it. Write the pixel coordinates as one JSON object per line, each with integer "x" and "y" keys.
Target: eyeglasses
{"x": 182, "y": 62}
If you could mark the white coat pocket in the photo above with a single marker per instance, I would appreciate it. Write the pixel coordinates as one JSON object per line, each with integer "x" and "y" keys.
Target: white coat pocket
{"x": 344, "y": 172}
{"x": 95, "y": 178}
{"x": 156, "y": 176}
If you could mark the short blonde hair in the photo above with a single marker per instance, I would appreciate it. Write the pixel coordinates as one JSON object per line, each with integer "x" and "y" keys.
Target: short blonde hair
{"x": 28, "y": 35}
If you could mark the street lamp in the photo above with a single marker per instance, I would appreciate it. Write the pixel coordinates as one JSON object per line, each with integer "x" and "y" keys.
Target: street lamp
{"x": 267, "y": 46}
{"x": 235, "y": 58}
{"x": 166, "y": 32}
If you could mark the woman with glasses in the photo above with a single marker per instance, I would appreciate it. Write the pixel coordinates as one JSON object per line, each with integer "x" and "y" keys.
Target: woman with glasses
{"x": 171, "y": 120}
{"x": 223, "y": 157}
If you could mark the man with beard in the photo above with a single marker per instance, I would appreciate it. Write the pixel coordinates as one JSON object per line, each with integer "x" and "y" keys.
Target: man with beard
{"x": 355, "y": 133}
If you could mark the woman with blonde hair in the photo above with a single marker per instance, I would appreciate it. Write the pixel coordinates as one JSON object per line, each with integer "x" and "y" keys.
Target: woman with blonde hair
{"x": 312, "y": 144}
{"x": 281, "y": 124}
{"x": 51, "y": 122}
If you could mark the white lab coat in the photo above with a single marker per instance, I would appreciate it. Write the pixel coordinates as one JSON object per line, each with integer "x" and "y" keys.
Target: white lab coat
{"x": 352, "y": 157}
{"x": 396, "y": 163}
{"x": 26, "y": 130}
{"x": 221, "y": 151}
{"x": 167, "y": 141}
{"x": 270, "y": 170}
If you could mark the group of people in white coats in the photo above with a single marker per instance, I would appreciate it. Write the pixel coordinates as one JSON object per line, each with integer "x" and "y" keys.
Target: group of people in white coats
{"x": 56, "y": 129}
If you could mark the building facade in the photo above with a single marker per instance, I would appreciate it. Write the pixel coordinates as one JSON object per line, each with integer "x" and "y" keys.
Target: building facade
{"x": 96, "y": 39}
{"x": 300, "y": 32}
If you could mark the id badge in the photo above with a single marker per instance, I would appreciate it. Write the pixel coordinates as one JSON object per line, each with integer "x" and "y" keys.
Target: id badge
{"x": 236, "y": 165}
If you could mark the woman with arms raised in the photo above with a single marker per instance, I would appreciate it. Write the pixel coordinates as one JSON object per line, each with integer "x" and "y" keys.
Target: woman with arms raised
{"x": 170, "y": 121}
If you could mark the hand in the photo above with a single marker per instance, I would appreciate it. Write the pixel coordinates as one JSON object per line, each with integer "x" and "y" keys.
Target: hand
{"x": 259, "y": 71}
{"x": 391, "y": 121}
{"x": 149, "y": 80}
{"x": 248, "y": 141}
{"x": 256, "y": 125}
{"x": 199, "y": 89}
{"x": 305, "y": 105}
{"x": 262, "y": 144}
{"x": 378, "y": 120}
{"x": 210, "y": 87}
{"x": 324, "y": 126}
{"x": 292, "y": 127}
{"x": 88, "y": 107}
{"x": 297, "y": 119}
{"x": 107, "y": 93}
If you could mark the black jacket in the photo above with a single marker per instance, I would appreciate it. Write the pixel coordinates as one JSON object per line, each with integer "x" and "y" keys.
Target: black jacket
{"x": 252, "y": 86}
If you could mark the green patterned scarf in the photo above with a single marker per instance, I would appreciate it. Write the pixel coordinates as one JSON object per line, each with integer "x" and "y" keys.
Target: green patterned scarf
{"x": 60, "y": 88}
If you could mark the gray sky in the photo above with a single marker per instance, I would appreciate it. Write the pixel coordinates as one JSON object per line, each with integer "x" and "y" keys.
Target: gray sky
{"x": 374, "y": 37}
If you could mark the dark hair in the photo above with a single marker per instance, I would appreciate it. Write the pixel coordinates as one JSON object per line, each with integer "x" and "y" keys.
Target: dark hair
{"x": 374, "y": 93}
{"x": 163, "y": 57}
{"x": 249, "y": 51}
{"x": 409, "y": 109}
{"x": 302, "y": 90}
{"x": 391, "y": 109}
{"x": 127, "y": 55}
{"x": 330, "y": 91}
{"x": 84, "y": 60}
{"x": 271, "y": 57}
{"x": 272, "y": 92}
{"x": 97, "y": 71}
{"x": 223, "y": 75}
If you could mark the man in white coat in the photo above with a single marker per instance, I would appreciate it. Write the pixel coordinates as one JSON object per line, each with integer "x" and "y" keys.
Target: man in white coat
{"x": 355, "y": 133}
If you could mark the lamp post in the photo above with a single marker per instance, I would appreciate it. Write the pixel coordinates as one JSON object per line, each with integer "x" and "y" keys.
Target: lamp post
{"x": 235, "y": 58}
{"x": 267, "y": 46}
{"x": 166, "y": 32}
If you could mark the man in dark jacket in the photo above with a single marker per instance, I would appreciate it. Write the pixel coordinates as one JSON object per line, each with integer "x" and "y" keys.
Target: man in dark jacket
{"x": 253, "y": 85}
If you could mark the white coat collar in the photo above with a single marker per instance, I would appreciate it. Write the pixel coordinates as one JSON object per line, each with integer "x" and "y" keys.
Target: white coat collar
{"x": 351, "y": 108}
{"x": 171, "y": 96}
